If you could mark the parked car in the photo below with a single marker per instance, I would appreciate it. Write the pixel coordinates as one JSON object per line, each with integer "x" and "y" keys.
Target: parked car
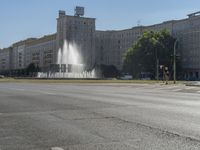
{"x": 126, "y": 77}
{"x": 146, "y": 76}
{"x": 1, "y": 76}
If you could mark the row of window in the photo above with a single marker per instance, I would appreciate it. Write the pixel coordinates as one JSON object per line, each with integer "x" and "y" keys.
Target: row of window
{"x": 75, "y": 22}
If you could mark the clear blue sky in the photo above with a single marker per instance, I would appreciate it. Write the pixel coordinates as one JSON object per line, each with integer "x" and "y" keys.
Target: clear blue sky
{"x": 20, "y": 19}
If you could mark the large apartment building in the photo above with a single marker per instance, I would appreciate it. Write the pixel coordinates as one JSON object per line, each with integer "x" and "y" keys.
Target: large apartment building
{"x": 101, "y": 47}
{"x": 40, "y": 52}
{"x": 5, "y": 59}
{"x": 78, "y": 30}
{"x": 111, "y": 45}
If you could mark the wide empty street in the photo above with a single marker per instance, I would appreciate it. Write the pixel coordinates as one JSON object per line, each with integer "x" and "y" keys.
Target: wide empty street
{"x": 99, "y": 116}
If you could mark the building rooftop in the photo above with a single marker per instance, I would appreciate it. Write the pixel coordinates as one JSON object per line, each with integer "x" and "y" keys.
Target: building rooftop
{"x": 194, "y": 14}
{"x": 23, "y": 42}
{"x": 5, "y": 49}
{"x": 43, "y": 39}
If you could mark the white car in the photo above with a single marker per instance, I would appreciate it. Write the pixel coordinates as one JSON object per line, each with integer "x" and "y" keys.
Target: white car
{"x": 1, "y": 76}
{"x": 127, "y": 77}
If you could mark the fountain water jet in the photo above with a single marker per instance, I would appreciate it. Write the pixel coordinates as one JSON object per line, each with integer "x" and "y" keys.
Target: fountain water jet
{"x": 69, "y": 56}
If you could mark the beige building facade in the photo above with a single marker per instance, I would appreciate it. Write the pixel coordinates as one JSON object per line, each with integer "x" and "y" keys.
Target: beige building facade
{"x": 18, "y": 54}
{"x": 79, "y": 31}
{"x": 40, "y": 52}
{"x": 5, "y": 59}
{"x": 111, "y": 45}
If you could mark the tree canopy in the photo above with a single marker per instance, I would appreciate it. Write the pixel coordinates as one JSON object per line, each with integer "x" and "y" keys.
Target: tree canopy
{"x": 142, "y": 56}
{"x": 109, "y": 71}
{"x": 32, "y": 68}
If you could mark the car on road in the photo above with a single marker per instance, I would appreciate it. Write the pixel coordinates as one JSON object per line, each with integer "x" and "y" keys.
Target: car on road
{"x": 2, "y": 76}
{"x": 126, "y": 77}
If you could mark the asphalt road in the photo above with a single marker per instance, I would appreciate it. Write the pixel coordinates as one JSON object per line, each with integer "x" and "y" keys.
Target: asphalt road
{"x": 99, "y": 117}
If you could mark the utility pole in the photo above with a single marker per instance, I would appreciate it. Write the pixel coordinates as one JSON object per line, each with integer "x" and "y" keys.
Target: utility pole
{"x": 157, "y": 69}
{"x": 157, "y": 66}
{"x": 174, "y": 65}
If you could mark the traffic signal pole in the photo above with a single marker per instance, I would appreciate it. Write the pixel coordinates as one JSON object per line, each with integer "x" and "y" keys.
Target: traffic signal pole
{"x": 174, "y": 65}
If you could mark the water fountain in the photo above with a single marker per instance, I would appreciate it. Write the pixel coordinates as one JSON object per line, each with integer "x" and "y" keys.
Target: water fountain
{"x": 69, "y": 64}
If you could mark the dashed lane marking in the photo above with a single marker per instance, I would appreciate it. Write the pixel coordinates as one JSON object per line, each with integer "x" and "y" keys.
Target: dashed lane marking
{"x": 176, "y": 90}
{"x": 48, "y": 93}
{"x": 189, "y": 88}
{"x": 20, "y": 89}
{"x": 57, "y": 148}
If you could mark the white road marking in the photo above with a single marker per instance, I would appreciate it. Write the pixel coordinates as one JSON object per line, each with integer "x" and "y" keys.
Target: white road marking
{"x": 176, "y": 90}
{"x": 168, "y": 87}
{"x": 48, "y": 93}
{"x": 9, "y": 88}
{"x": 57, "y": 148}
{"x": 188, "y": 88}
{"x": 165, "y": 88}
{"x": 20, "y": 89}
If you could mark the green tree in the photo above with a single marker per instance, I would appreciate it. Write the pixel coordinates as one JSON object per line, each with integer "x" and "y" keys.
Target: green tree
{"x": 109, "y": 71}
{"x": 142, "y": 56}
{"x": 31, "y": 69}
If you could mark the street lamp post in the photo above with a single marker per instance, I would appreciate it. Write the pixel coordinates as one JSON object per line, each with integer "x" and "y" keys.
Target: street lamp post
{"x": 157, "y": 66}
{"x": 174, "y": 64}
{"x": 157, "y": 69}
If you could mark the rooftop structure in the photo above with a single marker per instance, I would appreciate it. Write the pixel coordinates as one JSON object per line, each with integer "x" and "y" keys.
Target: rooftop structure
{"x": 194, "y": 14}
{"x": 79, "y": 11}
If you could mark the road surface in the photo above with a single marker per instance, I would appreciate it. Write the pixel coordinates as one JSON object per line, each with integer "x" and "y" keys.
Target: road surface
{"x": 99, "y": 117}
